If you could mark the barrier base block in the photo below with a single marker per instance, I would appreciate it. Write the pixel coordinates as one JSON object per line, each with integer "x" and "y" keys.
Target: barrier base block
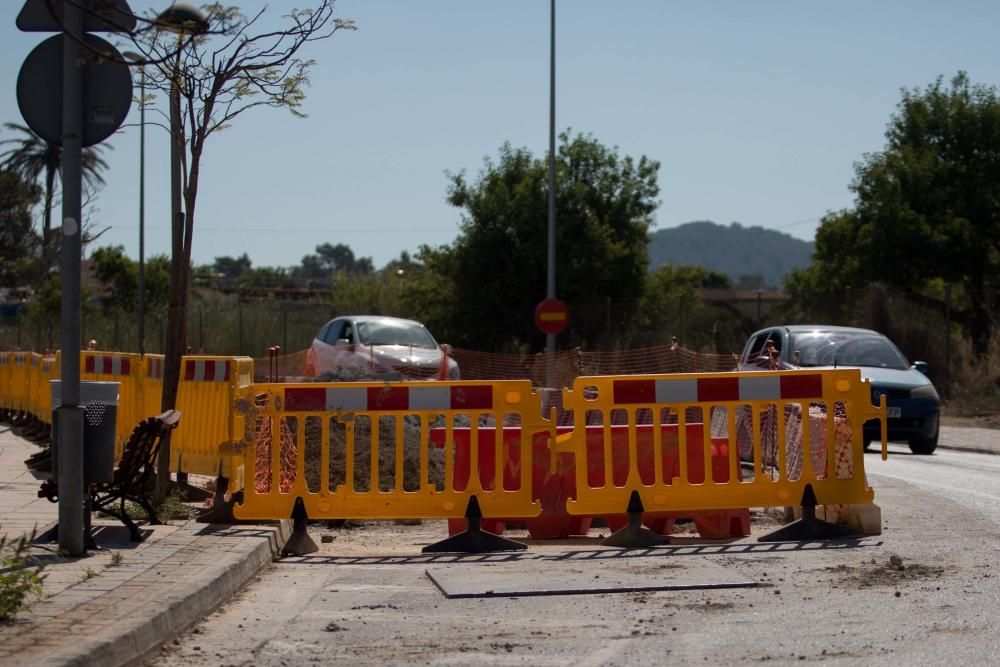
{"x": 474, "y": 540}
{"x": 634, "y": 535}
{"x": 809, "y": 527}
{"x": 299, "y": 543}
{"x": 222, "y": 512}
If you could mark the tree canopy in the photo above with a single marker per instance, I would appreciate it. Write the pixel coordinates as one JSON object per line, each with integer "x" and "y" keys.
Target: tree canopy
{"x": 927, "y": 207}
{"x": 482, "y": 290}
{"x": 17, "y": 242}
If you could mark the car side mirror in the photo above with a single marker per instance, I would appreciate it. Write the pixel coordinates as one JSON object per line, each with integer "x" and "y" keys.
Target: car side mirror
{"x": 920, "y": 366}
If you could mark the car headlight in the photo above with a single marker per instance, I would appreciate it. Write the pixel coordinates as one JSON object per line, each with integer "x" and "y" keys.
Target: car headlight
{"x": 926, "y": 391}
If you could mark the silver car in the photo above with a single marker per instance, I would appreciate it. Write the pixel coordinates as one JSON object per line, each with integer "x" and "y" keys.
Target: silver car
{"x": 358, "y": 347}
{"x": 912, "y": 402}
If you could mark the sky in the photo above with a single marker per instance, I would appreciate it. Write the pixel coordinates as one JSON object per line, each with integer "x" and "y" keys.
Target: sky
{"x": 757, "y": 113}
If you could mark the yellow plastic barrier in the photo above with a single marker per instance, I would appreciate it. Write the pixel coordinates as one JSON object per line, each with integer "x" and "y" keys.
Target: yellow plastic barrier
{"x": 344, "y": 449}
{"x": 208, "y": 390}
{"x": 666, "y": 407}
{"x": 20, "y": 387}
{"x": 4, "y": 381}
{"x": 48, "y": 370}
{"x": 126, "y": 369}
{"x": 152, "y": 384}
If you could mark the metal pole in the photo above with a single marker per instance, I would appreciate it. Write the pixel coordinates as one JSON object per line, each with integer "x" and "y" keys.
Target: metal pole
{"x": 550, "y": 288}
{"x": 142, "y": 211}
{"x": 70, "y": 414}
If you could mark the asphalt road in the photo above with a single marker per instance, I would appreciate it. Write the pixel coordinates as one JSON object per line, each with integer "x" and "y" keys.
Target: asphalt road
{"x": 842, "y": 603}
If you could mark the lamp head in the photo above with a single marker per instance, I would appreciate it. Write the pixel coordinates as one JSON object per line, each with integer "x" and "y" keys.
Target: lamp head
{"x": 183, "y": 18}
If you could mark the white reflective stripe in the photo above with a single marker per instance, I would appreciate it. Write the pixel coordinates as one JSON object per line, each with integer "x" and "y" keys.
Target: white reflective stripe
{"x": 760, "y": 388}
{"x": 116, "y": 365}
{"x": 220, "y": 371}
{"x": 430, "y": 398}
{"x": 353, "y": 398}
{"x": 676, "y": 391}
{"x": 199, "y": 370}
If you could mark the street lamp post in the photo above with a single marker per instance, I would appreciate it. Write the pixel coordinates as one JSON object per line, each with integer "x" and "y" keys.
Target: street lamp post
{"x": 550, "y": 286}
{"x": 181, "y": 18}
{"x": 139, "y": 60}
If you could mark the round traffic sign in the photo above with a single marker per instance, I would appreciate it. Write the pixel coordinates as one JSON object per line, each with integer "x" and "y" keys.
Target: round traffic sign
{"x": 107, "y": 91}
{"x": 551, "y": 316}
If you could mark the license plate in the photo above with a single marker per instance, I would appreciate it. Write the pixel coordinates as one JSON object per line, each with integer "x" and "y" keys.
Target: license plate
{"x": 893, "y": 412}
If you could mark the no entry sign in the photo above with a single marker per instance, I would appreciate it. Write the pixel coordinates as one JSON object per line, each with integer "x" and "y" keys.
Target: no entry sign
{"x": 551, "y": 316}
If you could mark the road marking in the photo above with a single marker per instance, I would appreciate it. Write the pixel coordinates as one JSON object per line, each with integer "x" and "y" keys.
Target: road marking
{"x": 941, "y": 487}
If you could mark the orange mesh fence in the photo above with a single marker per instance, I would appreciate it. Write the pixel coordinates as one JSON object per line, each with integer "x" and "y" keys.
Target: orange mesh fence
{"x": 560, "y": 369}
{"x": 262, "y": 470}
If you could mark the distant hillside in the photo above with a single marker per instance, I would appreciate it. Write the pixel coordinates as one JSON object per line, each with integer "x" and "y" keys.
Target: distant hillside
{"x": 734, "y": 250}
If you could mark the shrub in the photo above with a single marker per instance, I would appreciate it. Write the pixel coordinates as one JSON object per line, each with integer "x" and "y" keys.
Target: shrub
{"x": 19, "y": 580}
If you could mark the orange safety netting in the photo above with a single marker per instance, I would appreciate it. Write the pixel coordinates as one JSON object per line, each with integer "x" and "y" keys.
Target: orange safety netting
{"x": 262, "y": 467}
{"x": 559, "y": 369}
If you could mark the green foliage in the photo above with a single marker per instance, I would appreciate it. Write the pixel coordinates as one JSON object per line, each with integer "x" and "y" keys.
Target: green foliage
{"x": 671, "y": 306}
{"x": 19, "y": 581}
{"x": 119, "y": 277}
{"x": 331, "y": 260}
{"x": 482, "y": 290}
{"x": 927, "y": 209}
{"x": 172, "y": 507}
{"x": 18, "y": 244}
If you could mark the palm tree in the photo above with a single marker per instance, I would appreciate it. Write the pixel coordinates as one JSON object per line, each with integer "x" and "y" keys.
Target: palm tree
{"x": 33, "y": 158}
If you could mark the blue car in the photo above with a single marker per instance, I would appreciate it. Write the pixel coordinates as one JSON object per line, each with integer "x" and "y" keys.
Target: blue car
{"x": 914, "y": 407}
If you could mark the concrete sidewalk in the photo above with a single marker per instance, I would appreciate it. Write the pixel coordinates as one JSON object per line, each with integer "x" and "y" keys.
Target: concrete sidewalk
{"x": 124, "y": 600}
{"x": 970, "y": 439}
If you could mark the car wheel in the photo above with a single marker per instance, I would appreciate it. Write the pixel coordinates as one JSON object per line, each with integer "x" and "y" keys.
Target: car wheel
{"x": 924, "y": 445}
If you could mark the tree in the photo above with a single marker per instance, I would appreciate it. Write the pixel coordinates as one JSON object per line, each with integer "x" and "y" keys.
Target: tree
{"x": 232, "y": 268}
{"x": 927, "y": 205}
{"x": 487, "y": 284}
{"x": 18, "y": 248}
{"x": 34, "y": 159}
{"x": 332, "y": 259}
{"x": 219, "y": 76}
{"x": 119, "y": 277}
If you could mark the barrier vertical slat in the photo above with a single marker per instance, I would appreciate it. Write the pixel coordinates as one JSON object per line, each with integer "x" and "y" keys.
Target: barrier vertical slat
{"x": 781, "y": 409}
{"x": 449, "y": 455}
{"x": 349, "y": 442}
{"x": 706, "y": 445}
{"x": 425, "y": 439}
{"x": 324, "y": 453}
{"x": 609, "y": 470}
{"x": 275, "y": 450}
{"x": 633, "y": 448}
{"x": 682, "y": 441}
{"x": 657, "y": 447}
{"x": 475, "y": 484}
{"x": 831, "y": 441}
{"x": 300, "y": 485}
{"x": 734, "y": 450}
{"x": 499, "y": 465}
{"x": 400, "y": 446}
{"x": 756, "y": 417}
{"x": 376, "y": 441}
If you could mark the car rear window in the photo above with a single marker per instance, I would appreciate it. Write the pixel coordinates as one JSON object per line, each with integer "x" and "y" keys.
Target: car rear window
{"x": 394, "y": 333}
{"x": 846, "y": 349}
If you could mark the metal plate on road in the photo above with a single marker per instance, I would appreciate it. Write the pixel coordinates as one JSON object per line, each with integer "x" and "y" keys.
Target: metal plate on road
{"x": 522, "y": 579}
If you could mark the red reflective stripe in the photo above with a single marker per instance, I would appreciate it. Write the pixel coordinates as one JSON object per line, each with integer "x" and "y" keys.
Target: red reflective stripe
{"x": 719, "y": 389}
{"x": 801, "y": 386}
{"x": 472, "y": 398}
{"x": 88, "y": 364}
{"x": 635, "y": 391}
{"x": 126, "y": 366}
{"x": 388, "y": 398}
{"x": 305, "y": 400}
{"x": 189, "y": 368}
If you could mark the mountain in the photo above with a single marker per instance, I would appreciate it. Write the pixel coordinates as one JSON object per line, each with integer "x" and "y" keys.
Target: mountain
{"x": 734, "y": 250}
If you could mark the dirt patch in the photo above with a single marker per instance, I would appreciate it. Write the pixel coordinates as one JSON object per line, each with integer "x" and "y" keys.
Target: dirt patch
{"x": 891, "y": 572}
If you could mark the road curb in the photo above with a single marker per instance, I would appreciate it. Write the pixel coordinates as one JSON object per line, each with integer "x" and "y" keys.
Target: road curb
{"x": 189, "y": 599}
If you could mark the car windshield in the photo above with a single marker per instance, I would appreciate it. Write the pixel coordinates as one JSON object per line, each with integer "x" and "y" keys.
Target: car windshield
{"x": 394, "y": 333}
{"x": 845, "y": 349}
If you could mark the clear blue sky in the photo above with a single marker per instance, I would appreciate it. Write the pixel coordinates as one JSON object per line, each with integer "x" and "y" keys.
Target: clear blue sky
{"x": 757, "y": 112}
